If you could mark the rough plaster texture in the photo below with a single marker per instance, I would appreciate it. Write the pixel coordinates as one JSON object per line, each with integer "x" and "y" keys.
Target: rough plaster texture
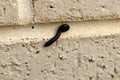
{"x": 93, "y": 53}
{"x": 22, "y": 12}
{"x": 75, "y": 10}
{"x": 8, "y": 12}
{"x": 90, "y": 50}
{"x": 68, "y": 59}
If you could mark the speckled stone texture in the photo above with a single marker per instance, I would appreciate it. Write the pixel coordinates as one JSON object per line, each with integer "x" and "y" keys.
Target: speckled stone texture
{"x": 8, "y": 12}
{"x": 67, "y": 59}
{"x": 90, "y": 50}
{"x": 23, "y": 12}
{"x": 75, "y": 10}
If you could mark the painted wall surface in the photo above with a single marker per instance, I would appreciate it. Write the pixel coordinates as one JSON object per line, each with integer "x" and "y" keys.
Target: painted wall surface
{"x": 90, "y": 50}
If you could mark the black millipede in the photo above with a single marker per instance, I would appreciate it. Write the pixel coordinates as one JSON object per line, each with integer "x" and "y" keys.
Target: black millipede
{"x": 62, "y": 28}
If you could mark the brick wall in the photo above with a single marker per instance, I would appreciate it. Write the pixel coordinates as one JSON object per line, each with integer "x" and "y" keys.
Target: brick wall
{"x": 90, "y": 50}
{"x": 36, "y": 11}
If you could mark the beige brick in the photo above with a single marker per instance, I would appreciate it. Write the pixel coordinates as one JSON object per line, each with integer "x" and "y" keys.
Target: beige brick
{"x": 8, "y": 12}
{"x": 75, "y": 10}
{"x": 69, "y": 59}
{"x": 82, "y": 53}
{"x": 25, "y": 12}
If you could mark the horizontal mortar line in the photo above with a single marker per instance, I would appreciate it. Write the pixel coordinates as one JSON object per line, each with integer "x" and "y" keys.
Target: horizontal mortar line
{"x": 38, "y": 23}
{"x": 85, "y": 29}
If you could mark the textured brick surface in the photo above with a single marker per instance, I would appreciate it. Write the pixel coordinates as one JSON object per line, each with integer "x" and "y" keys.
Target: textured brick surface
{"x": 68, "y": 59}
{"x": 90, "y": 50}
{"x": 74, "y": 56}
{"x": 8, "y": 12}
{"x": 75, "y": 10}
{"x": 45, "y": 11}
